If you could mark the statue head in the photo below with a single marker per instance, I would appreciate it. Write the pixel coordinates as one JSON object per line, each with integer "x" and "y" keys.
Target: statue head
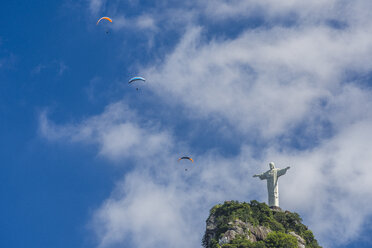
{"x": 272, "y": 165}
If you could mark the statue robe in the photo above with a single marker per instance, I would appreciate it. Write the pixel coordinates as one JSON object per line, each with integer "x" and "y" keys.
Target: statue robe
{"x": 271, "y": 176}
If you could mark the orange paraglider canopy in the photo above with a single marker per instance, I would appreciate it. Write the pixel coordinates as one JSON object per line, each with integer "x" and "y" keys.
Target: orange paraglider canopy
{"x": 186, "y": 158}
{"x": 105, "y": 17}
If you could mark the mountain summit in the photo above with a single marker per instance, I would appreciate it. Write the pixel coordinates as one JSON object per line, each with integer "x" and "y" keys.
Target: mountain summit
{"x": 255, "y": 225}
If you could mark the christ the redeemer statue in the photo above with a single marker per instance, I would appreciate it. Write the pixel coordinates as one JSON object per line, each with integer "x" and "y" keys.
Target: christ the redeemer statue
{"x": 272, "y": 176}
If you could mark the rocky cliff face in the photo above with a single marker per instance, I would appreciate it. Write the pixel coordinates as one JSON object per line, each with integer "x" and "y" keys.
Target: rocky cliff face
{"x": 255, "y": 225}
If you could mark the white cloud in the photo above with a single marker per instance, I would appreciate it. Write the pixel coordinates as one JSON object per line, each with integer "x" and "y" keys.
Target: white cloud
{"x": 145, "y": 22}
{"x": 96, "y": 5}
{"x": 147, "y": 214}
{"x": 227, "y": 9}
{"x": 142, "y": 22}
{"x": 117, "y": 132}
{"x": 267, "y": 80}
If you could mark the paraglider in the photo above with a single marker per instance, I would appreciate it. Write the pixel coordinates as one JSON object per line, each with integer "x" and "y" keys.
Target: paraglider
{"x": 104, "y": 18}
{"x": 185, "y": 158}
{"x": 134, "y": 79}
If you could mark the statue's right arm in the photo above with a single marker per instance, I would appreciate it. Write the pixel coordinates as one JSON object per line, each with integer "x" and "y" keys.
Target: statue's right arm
{"x": 261, "y": 176}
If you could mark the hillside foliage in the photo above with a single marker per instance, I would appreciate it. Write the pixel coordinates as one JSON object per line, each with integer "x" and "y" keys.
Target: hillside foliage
{"x": 259, "y": 214}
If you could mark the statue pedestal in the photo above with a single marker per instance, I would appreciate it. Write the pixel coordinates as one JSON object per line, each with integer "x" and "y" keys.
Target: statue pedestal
{"x": 275, "y": 208}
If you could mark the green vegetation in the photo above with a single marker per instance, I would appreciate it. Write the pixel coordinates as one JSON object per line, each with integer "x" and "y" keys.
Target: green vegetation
{"x": 279, "y": 239}
{"x": 259, "y": 214}
{"x": 244, "y": 243}
{"x": 273, "y": 240}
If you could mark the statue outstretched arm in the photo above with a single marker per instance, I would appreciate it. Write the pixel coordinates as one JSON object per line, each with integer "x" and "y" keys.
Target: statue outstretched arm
{"x": 261, "y": 176}
{"x": 283, "y": 171}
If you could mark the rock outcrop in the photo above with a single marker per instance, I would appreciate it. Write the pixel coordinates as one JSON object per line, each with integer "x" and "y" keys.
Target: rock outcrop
{"x": 246, "y": 230}
{"x": 247, "y": 225}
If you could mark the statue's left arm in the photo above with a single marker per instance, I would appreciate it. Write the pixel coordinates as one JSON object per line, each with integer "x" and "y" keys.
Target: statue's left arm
{"x": 281, "y": 172}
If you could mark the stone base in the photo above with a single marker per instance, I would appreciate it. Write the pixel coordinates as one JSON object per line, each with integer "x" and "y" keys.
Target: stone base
{"x": 275, "y": 208}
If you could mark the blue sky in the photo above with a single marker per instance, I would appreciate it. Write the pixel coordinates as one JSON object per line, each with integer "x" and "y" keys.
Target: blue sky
{"x": 88, "y": 161}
